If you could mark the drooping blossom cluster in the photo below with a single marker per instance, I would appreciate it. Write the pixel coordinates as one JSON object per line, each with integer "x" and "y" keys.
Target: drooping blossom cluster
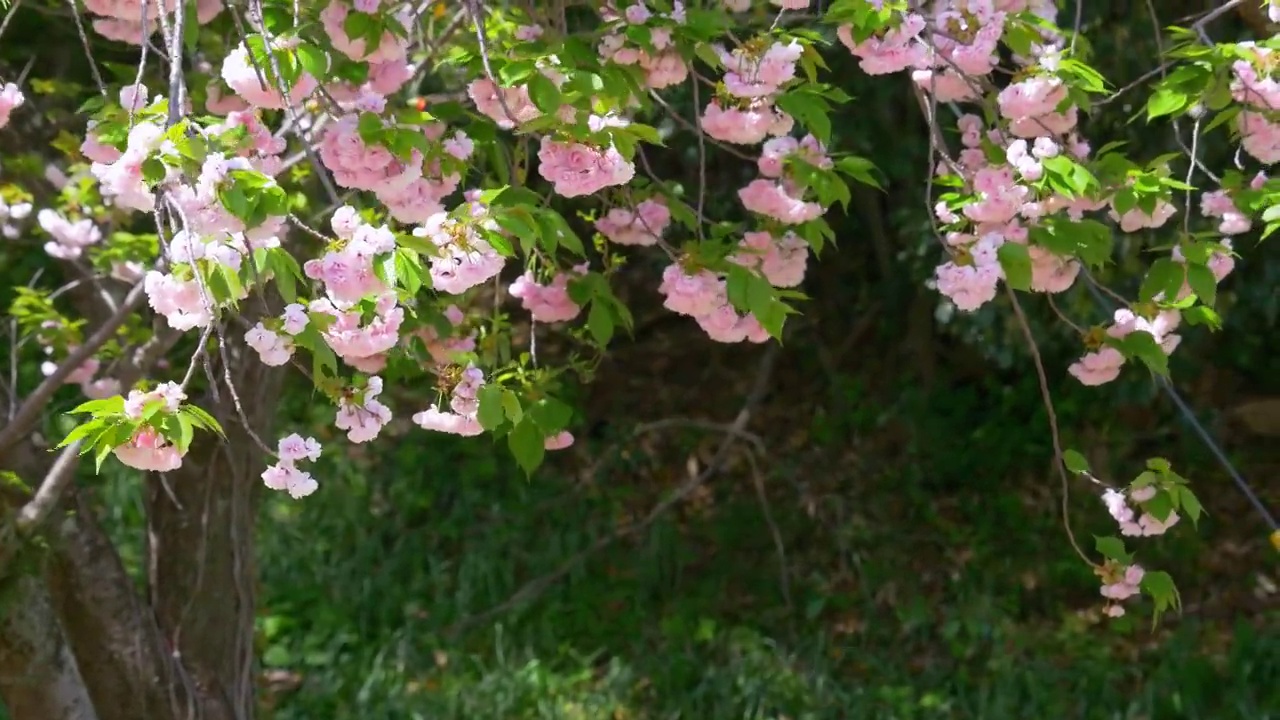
{"x": 550, "y": 302}
{"x": 11, "y": 98}
{"x": 360, "y": 412}
{"x": 1255, "y": 86}
{"x": 1119, "y": 583}
{"x": 1134, "y": 525}
{"x": 414, "y": 187}
{"x": 575, "y": 169}
{"x": 346, "y": 268}
{"x": 641, "y": 226}
{"x": 148, "y": 449}
{"x": 745, "y": 112}
{"x": 464, "y": 259}
{"x": 782, "y": 261}
{"x": 122, "y": 20}
{"x": 69, "y": 238}
{"x": 778, "y": 195}
{"x": 93, "y": 387}
{"x": 285, "y": 474}
{"x": 703, "y": 295}
{"x": 659, "y": 58}
{"x": 459, "y": 418}
{"x": 276, "y": 348}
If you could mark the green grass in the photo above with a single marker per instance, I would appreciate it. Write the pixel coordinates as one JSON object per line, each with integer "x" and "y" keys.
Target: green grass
{"x": 364, "y": 579}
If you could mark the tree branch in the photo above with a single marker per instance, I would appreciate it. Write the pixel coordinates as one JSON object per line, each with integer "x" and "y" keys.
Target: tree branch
{"x": 36, "y": 402}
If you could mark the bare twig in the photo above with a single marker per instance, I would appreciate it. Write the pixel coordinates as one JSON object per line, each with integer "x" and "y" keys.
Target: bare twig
{"x": 1047, "y": 398}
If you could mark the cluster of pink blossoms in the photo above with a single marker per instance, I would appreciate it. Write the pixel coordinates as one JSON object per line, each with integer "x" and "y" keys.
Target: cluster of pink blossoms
{"x": 285, "y": 474}
{"x": 464, "y": 403}
{"x": 643, "y": 226}
{"x": 575, "y": 169}
{"x": 1254, "y": 85}
{"x": 275, "y": 348}
{"x": 776, "y": 195}
{"x": 1037, "y": 124}
{"x": 360, "y": 412}
{"x": 1103, "y": 365}
{"x": 1119, "y": 583}
{"x": 149, "y": 450}
{"x": 754, "y": 76}
{"x": 704, "y": 296}
{"x": 464, "y": 259}
{"x": 121, "y": 20}
{"x": 1132, "y": 525}
{"x": 662, "y": 63}
{"x": 548, "y": 303}
{"x": 413, "y": 189}
{"x": 11, "y": 98}
{"x": 69, "y": 238}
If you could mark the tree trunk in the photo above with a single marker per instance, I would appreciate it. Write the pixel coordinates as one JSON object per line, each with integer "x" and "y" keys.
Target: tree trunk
{"x": 39, "y": 677}
{"x": 78, "y": 639}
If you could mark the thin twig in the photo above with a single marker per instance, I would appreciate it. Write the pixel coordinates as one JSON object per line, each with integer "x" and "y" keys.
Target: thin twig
{"x": 1047, "y": 398}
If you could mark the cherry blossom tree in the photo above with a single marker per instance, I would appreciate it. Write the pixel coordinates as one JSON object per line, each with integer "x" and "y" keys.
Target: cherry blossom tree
{"x": 267, "y": 194}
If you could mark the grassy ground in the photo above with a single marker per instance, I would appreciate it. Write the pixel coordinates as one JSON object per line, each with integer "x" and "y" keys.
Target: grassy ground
{"x": 934, "y": 583}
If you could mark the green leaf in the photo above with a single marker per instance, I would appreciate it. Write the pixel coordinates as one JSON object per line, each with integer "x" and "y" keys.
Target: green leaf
{"x": 1160, "y": 505}
{"x": 153, "y": 171}
{"x": 1165, "y": 101}
{"x": 1190, "y": 504}
{"x": 314, "y": 60}
{"x": 490, "y": 413}
{"x": 1164, "y": 276}
{"x": 860, "y": 169}
{"x": 527, "y": 445}
{"x": 1202, "y": 283}
{"x": 1141, "y": 345}
{"x": 551, "y": 415}
{"x": 202, "y": 419}
{"x": 186, "y": 432}
{"x": 511, "y": 407}
{"x": 106, "y": 406}
{"x": 1075, "y": 462}
{"x": 810, "y": 109}
{"x": 1159, "y": 585}
{"x": 1111, "y": 548}
{"x": 100, "y": 456}
{"x": 369, "y": 127}
{"x": 83, "y": 431}
{"x": 544, "y": 93}
{"x": 1017, "y": 265}
{"x": 600, "y": 323}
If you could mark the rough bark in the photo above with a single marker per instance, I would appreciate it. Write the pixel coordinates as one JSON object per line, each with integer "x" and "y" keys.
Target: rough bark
{"x": 78, "y": 639}
{"x": 200, "y": 527}
{"x": 39, "y": 677}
